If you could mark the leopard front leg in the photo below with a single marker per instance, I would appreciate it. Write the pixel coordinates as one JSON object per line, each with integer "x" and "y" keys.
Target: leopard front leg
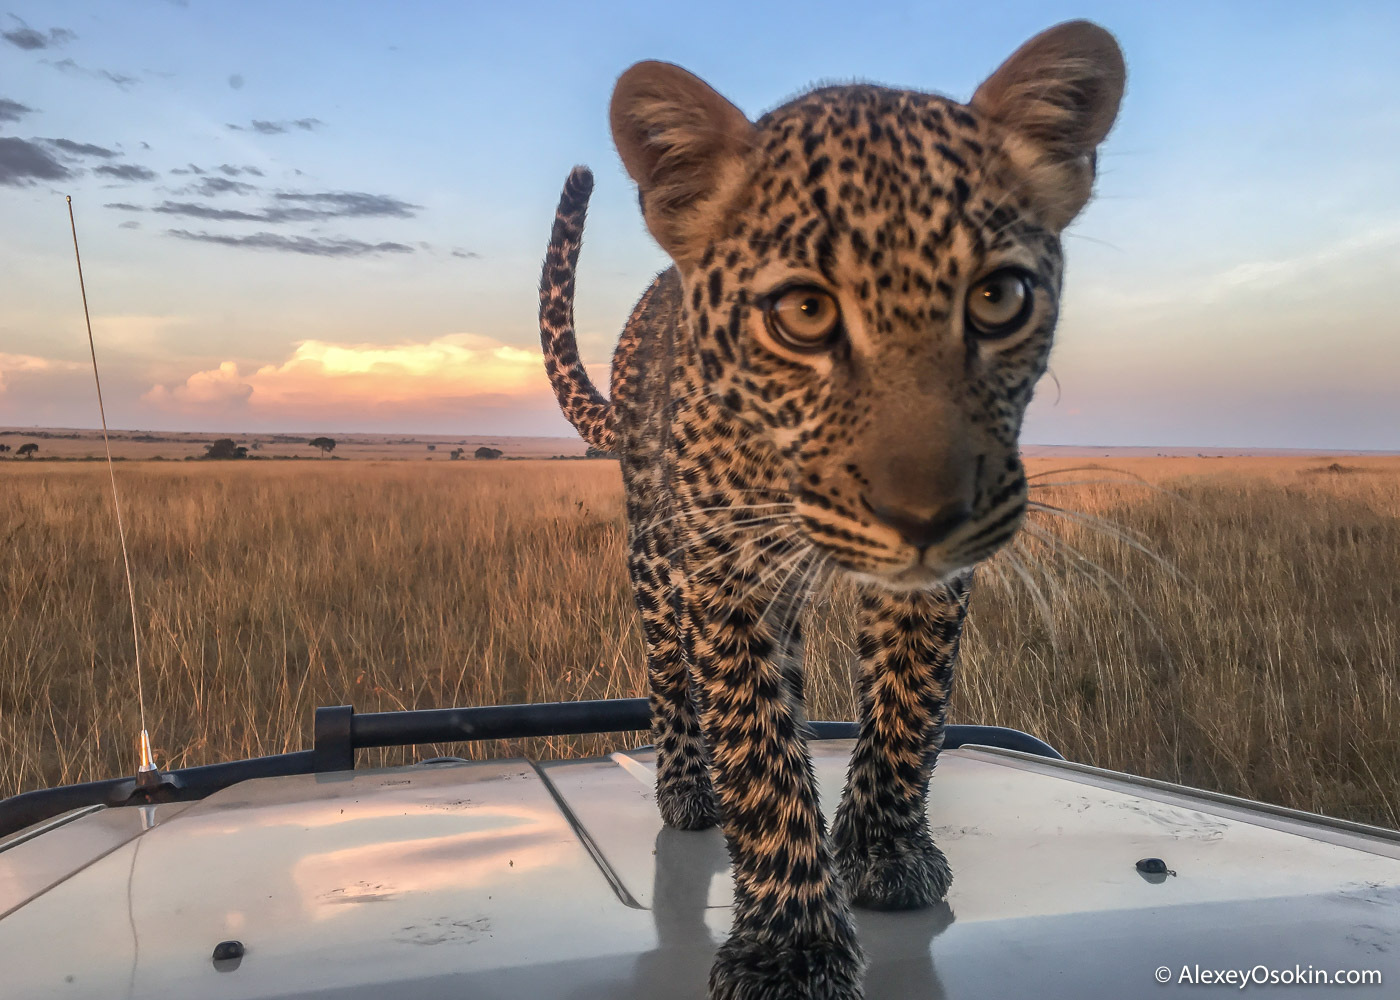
{"x": 792, "y": 937}
{"x": 908, "y": 645}
{"x": 685, "y": 796}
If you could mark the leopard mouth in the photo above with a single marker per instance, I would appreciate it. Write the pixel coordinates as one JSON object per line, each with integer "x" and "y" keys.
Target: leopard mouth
{"x": 926, "y": 568}
{"x": 862, "y": 551}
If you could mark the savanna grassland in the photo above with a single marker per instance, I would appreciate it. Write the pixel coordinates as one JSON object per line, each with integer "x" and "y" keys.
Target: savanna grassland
{"x": 1255, "y": 650}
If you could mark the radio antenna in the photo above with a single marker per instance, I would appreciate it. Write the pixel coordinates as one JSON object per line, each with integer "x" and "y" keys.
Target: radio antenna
{"x": 147, "y": 762}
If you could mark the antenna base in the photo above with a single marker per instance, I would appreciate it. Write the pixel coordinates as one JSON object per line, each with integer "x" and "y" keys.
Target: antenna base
{"x": 150, "y": 786}
{"x": 148, "y": 759}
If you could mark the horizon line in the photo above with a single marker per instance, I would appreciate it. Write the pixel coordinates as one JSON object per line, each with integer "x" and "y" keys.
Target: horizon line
{"x": 414, "y": 435}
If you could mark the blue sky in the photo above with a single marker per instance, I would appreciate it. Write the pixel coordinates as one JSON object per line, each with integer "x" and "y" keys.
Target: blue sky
{"x": 375, "y": 268}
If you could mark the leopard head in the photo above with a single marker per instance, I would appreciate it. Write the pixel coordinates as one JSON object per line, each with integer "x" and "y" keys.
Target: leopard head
{"x": 871, "y": 282}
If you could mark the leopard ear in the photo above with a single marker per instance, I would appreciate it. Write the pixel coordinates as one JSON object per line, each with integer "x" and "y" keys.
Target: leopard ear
{"x": 684, "y": 145}
{"x": 1057, "y": 97}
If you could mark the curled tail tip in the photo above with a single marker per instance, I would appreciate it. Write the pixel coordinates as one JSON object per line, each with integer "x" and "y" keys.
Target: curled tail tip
{"x": 580, "y": 183}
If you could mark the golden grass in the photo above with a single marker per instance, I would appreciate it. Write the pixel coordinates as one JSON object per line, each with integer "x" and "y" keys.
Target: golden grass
{"x": 1263, "y": 665}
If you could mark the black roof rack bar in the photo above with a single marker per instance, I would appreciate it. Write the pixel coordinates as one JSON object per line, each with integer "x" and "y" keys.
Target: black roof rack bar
{"x": 461, "y": 725}
{"x": 339, "y": 732}
{"x": 342, "y": 726}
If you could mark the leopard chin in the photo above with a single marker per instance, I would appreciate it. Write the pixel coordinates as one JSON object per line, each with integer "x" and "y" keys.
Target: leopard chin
{"x": 917, "y": 571}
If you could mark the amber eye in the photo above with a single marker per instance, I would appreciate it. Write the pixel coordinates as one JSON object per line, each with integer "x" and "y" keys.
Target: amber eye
{"x": 1000, "y": 303}
{"x": 804, "y": 319}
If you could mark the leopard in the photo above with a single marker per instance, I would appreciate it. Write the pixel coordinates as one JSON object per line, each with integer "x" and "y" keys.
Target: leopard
{"x": 826, "y": 386}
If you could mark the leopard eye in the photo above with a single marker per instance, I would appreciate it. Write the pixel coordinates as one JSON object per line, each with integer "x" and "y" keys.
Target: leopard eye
{"x": 804, "y": 319}
{"x": 1000, "y": 303}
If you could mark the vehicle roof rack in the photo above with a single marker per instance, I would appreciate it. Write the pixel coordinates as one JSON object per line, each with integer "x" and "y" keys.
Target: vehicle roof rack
{"x": 339, "y": 731}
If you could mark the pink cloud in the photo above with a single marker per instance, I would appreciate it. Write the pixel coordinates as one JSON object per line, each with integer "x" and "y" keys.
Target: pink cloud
{"x": 220, "y": 387}
{"x": 460, "y": 379}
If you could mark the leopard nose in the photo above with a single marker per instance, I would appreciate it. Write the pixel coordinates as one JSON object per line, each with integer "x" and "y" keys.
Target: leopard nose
{"x": 923, "y": 531}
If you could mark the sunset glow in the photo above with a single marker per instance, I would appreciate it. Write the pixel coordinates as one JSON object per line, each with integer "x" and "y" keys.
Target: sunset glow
{"x": 293, "y": 234}
{"x": 320, "y": 374}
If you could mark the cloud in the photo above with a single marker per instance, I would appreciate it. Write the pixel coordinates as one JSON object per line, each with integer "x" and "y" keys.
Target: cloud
{"x": 306, "y": 207}
{"x": 124, "y": 206}
{"x": 129, "y": 224}
{"x": 207, "y": 212}
{"x": 227, "y": 169}
{"x": 333, "y": 204}
{"x": 27, "y": 38}
{"x": 81, "y": 148}
{"x": 125, "y": 172}
{"x": 321, "y": 378}
{"x": 278, "y": 128}
{"x": 210, "y": 187}
{"x": 313, "y": 246}
{"x": 1378, "y": 242}
{"x": 218, "y": 387}
{"x": 235, "y": 80}
{"x": 465, "y": 254}
{"x": 12, "y": 111}
{"x": 23, "y": 163}
{"x": 1251, "y": 284}
{"x": 70, "y": 67}
{"x": 11, "y": 364}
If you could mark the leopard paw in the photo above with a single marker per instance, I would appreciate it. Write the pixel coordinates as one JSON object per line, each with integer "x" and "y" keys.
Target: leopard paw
{"x": 896, "y": 873}
{"x": 747, "y": 968}
{"x": 688, "y": 805}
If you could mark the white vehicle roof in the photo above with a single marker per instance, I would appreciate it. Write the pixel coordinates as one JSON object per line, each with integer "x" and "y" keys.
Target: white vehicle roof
{"x": 514, "y": 880}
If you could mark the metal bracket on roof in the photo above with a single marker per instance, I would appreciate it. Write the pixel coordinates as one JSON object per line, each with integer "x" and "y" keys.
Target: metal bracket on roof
{"x": 334, "y": 734}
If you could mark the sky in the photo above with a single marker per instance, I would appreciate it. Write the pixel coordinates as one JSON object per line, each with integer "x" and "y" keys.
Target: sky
{"x": 329, "y": 217}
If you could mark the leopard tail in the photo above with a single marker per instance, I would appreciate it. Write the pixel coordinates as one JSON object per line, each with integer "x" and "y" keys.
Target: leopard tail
{"x": 580, "y": 400}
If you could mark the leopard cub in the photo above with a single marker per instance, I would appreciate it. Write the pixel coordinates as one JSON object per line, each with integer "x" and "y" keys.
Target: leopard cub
{"x": 828, "y": 383}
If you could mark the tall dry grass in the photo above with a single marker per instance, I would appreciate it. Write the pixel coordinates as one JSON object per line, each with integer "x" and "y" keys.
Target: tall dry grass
{"x": 1261, "y": 661}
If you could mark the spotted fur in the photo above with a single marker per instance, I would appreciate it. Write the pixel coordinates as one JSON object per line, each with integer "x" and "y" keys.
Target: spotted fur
{"x": 585, "y": 407}
{"x": 756, "y": 471}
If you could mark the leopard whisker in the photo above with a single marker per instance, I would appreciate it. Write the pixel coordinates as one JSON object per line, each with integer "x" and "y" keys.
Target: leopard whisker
{"x": 1081, "y": 468}
{"x": 805, "y": 590}
{"x": 786, "y": 568}
{"x": 1091, "y": 520}
{"x": 690, "y": 514}
{"x": 1096, "y": 574}
{"x": 1057, "y": 590}
{"x": 1078, "y": 561}
{"x": 1124, "y": 476}
{"x": 1117, "y": 533}
{"x": 743, "y": 558}
{"x": 1037, "y": 598}
{"x": 719, "y": 530}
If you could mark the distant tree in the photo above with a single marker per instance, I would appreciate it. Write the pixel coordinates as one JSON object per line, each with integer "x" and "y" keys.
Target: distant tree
{"x": 457, "y": 453}
{"x": 597, "y": 453}
{"x": 4, "y": 448}
{"x": 225, "y": 448}
{"x": 27, "y": 449}
{"x": 432, "y": 447}
{"x": 256, "y": 446}
{"x": 485, "y": 452}
{"x": 327, "y": 445}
